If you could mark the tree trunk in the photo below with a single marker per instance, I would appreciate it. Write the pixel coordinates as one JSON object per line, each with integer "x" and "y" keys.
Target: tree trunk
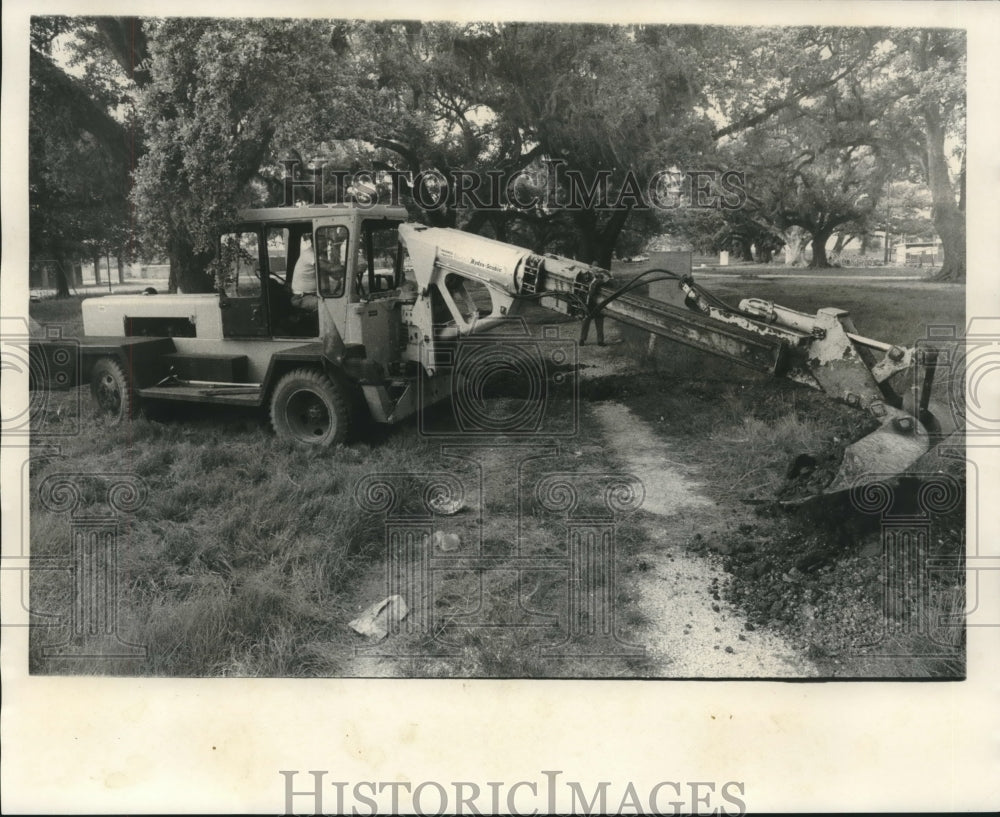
{"x": 62, "y": 280}
{"x": 607, "y": 238}
{"x": 949, "y": 221}
{"x": 819, "y": 239}
{"x": 476, "y": 221}
{"x": 741, "y": 249}
{"x": 961, "y": 186}
{"x": 586, "y": 223}
{"x": 121, "y": 269}
{"x": 188, "y": 268}
{"x": 501, "y": 227}
{"x": 605, "y": 255}
{"x": 95, "y": 256}
{"x": 795, "y": 243}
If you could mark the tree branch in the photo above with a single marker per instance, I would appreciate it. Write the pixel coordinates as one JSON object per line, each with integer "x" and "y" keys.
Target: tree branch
{"x": 78, "y": 106}
{"x": 776, "y": 107}
{"x": 127, "y": 42}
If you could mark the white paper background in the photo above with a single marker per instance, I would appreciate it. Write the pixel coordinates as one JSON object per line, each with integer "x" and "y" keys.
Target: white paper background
{"x": 139, "y": 745}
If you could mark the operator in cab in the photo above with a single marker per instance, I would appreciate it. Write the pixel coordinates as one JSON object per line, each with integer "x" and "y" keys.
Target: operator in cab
{"x": 331, "y": 245}
{"x": 304, "y": 277}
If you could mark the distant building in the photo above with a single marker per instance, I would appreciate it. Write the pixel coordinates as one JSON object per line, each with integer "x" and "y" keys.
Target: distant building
{"x": 918, "y": 253}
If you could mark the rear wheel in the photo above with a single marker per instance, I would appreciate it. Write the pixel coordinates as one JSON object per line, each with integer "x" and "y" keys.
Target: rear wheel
{"x": 309, "y": 408}
{"x": 110, "y": 387}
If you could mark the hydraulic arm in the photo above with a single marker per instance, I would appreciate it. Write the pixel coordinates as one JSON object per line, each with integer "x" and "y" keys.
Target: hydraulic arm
{"x": 822, "y": 351}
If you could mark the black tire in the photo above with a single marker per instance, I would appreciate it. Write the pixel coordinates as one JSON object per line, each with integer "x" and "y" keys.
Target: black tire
{"x": 111, "y": 390}
{"x": 310, "y": 409}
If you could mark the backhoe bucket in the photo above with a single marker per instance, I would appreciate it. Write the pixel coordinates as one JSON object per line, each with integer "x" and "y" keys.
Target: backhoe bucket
{"x": 889, "y": 451}
{"x": 886, "y": 452}
{"x": 900, "y": 440}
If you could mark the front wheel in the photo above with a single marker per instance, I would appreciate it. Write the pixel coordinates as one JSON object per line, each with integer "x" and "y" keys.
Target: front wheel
{"x": 309, "y": 408}
{"x": 110, "y": 387}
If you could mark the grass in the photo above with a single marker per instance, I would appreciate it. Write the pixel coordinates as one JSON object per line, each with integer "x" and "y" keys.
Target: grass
{"x": 250, "y": 557}
{"x": 815, "y": 573}
{"x": 239, "y": 558}
{"x": 63, "y": 312}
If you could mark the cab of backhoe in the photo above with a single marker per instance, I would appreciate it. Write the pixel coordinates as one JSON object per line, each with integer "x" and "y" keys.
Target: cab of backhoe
{"x": 310, "y": 273}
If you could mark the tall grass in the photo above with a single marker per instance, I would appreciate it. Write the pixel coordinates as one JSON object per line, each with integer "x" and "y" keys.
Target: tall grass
{"x": 755, "y": 453}
{"x": 237, "y": 560}
{"x": 250, "y": 556}
{"x": 62, "y": 312}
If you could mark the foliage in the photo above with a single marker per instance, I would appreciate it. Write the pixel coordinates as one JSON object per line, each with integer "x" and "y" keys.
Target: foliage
{"x": 805, "y": 131}
{"x": 572, "y": 91}
{"x": 928, "y": 117}
{"x": 207, "y": 111}
{"x": 78, "y": 174}
{"x": 905, "y": 210}
{"x": 505, "y": 97}
{"x": 824, "y": 119}
{"x": 735, "y": 231}
{"x": 220, "y": 93}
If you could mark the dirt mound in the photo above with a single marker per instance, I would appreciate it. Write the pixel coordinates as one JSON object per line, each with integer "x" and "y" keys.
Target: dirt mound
{"x": 818, "y": 575}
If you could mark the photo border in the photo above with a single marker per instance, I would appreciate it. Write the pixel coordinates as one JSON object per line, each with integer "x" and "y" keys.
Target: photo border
{"x": 133, "y": 745}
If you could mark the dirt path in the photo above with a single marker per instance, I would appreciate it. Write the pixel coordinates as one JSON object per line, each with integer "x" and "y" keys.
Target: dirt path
{"x": 691, "y": 632}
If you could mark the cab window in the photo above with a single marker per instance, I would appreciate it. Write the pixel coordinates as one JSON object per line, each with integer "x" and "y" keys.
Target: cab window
{"x": 277, "y": 253}
{"x": 238, "y": 264}
{"x": 377, "y": 268}
{"x": 472, "y": 298}
{"x": 331, "y": 260}
{"x": 404, "y": 265}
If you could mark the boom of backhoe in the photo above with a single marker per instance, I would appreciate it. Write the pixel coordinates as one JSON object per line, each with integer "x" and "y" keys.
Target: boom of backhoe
{"x": 822, "y": 351}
